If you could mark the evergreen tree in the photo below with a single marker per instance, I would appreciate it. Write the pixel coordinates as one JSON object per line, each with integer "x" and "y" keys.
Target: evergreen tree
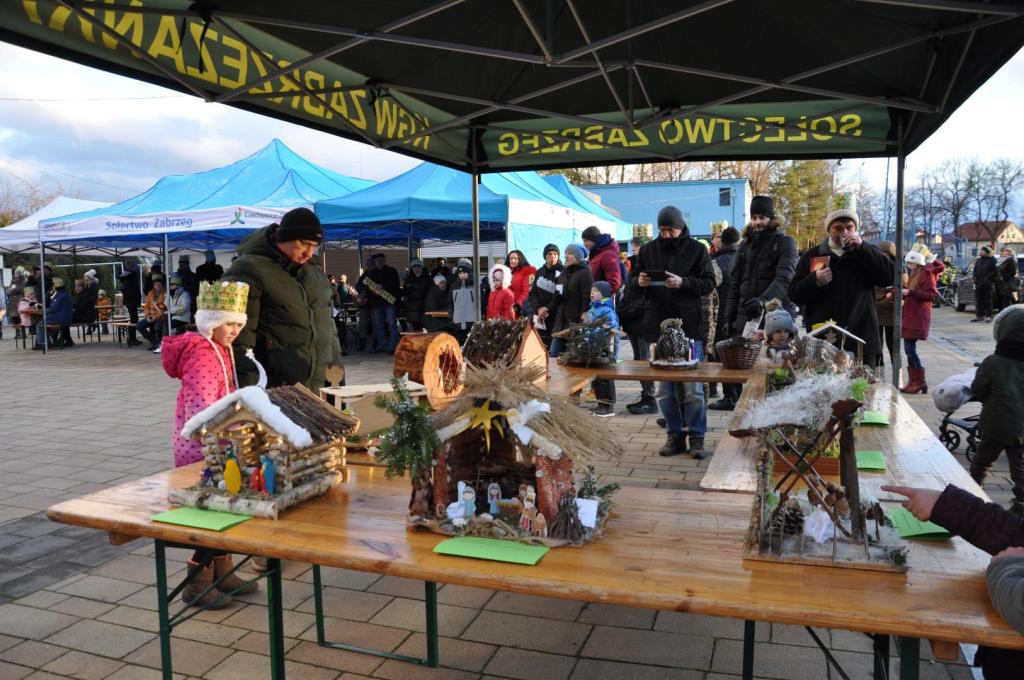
{"x": 409, "y": 445}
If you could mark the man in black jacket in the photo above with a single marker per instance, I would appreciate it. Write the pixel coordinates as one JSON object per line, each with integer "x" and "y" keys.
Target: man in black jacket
{"x": 414, "y": 293}
{"x": 762, "y": 271}
{"x": 723, "y": 247}
{"x": 543, "y": 298}
{"x": 688, "y": 276}
{"x": 384, "y": 288}
{"x": 836, "y": 281}
{"x": 984, "y": 276}
{"x": 131, "y": 291}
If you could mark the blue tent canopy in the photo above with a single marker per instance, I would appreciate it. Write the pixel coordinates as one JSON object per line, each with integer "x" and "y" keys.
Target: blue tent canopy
{"x": 210, "y": 209}
{"x": 432, "y": 201}
{"x": 623, "y": 229}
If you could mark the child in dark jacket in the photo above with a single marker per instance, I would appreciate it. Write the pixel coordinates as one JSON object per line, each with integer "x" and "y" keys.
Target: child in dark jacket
{"x": 998, "y": 532}
{"x": 602, "y": 311}
{"x": 999, "y": 386}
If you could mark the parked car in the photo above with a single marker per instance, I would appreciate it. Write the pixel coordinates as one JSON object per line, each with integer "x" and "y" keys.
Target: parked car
{"x": 964, "y": 293}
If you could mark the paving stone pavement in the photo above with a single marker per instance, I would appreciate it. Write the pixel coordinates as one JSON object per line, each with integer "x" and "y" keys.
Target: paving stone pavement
{"x": 71, "y": 605}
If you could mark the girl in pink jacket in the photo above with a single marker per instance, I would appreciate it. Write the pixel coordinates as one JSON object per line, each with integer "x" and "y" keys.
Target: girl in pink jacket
{"x": 203, "y": 360}
{"x": 205, "y": 364}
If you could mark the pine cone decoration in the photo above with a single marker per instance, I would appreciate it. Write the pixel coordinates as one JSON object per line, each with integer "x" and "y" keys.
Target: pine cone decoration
{"x": 790, "y": 517}
{"x": 672, "y": 342}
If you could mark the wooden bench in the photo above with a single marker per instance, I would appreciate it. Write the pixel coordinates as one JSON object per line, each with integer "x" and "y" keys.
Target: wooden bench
{"x": 121, "y": 331}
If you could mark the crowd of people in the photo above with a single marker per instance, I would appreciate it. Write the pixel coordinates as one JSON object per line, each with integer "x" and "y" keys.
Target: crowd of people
{"x": 272, "y": 319}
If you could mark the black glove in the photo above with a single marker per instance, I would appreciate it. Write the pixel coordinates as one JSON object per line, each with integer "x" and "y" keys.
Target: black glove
{"x": 752, "y": 308}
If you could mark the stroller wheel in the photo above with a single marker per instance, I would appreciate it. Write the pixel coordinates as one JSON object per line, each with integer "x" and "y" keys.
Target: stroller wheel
{"x": 950, "y": 439}
{"x": 970, "y": 453}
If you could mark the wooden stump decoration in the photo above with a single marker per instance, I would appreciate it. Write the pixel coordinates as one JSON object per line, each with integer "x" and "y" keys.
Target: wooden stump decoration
{"x": 433, "y": 360}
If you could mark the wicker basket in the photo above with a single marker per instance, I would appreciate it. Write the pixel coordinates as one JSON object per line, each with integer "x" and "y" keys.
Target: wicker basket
{"x": 738, "y": 352}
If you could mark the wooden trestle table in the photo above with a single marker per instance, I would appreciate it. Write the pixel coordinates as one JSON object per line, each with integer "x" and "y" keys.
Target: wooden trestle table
{"x": 914, "y": 457}
{"x": 664, "y": 550}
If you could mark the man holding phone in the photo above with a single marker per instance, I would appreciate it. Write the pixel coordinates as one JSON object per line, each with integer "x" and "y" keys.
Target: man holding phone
{"x": 685, "y": 267}
{"x": 836, "y": 281}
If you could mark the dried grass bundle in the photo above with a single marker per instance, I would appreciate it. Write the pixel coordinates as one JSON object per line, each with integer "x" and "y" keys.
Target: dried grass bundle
{"x": 581, "y": 436}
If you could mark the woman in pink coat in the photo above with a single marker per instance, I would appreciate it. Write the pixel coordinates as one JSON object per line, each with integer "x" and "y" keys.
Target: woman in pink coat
{"x": 918, "y": 296}
{"x": 204, "y": 363}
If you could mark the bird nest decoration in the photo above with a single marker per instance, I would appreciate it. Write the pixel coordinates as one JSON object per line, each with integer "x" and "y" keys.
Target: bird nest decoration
{"x": 504, "y": 460}
{"x": 800, "y": 514}
{"x": 674, "y": 350}
{"x": 587, "y": 344}
{"x": 265, "y": 451}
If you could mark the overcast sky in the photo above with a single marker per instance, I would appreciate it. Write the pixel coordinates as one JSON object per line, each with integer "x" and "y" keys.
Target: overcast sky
{"x": 132, "y": 133}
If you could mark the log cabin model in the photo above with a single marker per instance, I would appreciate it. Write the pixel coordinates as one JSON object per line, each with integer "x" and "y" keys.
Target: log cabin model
{"x": 266, "y": 450}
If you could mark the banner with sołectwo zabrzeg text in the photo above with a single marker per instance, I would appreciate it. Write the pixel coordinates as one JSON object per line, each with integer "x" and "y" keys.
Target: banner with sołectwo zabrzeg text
{"x": 98, "y": 225}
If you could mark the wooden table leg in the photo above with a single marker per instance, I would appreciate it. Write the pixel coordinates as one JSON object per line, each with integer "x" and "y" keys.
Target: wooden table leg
{"x": 162, "y": 611}
{"x": 910, "y": 658}
{"x": 880, "y": 649}
{"x": 275, "y": 612}
{"x": 748, "y": 650}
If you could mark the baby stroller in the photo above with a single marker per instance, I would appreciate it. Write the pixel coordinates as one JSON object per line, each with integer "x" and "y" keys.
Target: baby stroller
{"x": 952, "y": 394}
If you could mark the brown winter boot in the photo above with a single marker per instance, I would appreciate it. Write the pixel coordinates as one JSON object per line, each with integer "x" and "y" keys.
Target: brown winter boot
{"x": 193, "y": 593}
{"x": 221, "y": 566}
{"x": 916, "y": 384}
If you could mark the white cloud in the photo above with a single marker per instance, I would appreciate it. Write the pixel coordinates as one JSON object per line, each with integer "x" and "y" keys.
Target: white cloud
{"x": 131, "y": 143}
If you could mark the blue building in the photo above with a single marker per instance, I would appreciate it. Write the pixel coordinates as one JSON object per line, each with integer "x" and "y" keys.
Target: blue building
{"x": 703, "y": 202}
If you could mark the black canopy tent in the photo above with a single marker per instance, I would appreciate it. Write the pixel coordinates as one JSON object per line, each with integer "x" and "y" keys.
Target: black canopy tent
{"x": 532, "y": 84}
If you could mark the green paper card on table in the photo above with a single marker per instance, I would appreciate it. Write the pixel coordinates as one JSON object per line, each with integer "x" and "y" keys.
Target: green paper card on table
{"x": 908, "y": 526}
{"x": 200, "y": 519}
{"x": 875, "y": 419}
{"x": 492, "y": 549}
{"x": 871, "y": 461}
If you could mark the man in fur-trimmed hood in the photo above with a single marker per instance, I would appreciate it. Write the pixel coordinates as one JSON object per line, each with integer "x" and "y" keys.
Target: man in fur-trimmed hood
{"x": 762, "y": 271}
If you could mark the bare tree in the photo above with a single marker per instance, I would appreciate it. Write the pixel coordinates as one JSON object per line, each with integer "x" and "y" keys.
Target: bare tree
{"x": 20, "y": 197}
{"x": 954, "y": 187}
{"x": 1005, "y": 178}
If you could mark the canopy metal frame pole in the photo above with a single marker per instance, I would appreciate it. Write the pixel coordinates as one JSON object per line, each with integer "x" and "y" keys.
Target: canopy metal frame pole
{"x": 476, "y": 244}
{"x": 41, "y": 294}
{"x": 167, "y": 284}
{"x": 335, "y": 50}
{"x": 897, "y": 311}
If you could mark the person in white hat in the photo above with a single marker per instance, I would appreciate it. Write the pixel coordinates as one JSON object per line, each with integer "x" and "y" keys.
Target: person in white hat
{"x": 836, "y": 281}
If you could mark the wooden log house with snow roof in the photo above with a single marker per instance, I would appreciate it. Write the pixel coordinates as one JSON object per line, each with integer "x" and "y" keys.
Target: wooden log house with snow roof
{"x": 266, "y": 450}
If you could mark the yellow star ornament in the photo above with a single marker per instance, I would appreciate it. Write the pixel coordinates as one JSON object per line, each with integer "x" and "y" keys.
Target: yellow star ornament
{"x": 484, "y": 416}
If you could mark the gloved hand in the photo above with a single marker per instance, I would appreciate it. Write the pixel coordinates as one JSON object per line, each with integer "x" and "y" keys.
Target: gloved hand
{"x": 752, "y": 308}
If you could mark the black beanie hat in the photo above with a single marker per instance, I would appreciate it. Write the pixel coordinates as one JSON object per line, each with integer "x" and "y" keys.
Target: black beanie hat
{"x": 549, "y": 247}
{"x": 299, "y": 224}
{"x": 762, "y": 205}
{"x": 730, "y": 236}
{"x": 591, "y": 234}
{"x": 669, "y": 216}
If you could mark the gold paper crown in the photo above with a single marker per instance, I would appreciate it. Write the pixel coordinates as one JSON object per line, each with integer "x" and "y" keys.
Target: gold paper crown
{"x": 223, "y": 296}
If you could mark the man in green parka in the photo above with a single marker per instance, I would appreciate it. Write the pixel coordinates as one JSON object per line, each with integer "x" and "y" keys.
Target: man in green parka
{"x": 290, "y": 327}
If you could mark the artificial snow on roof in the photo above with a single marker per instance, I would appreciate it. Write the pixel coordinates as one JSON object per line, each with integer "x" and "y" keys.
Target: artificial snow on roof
{"x": 258, "y": 403}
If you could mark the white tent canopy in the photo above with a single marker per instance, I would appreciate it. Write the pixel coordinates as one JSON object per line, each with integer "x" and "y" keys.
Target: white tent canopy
{"x": 24, "y": 234}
